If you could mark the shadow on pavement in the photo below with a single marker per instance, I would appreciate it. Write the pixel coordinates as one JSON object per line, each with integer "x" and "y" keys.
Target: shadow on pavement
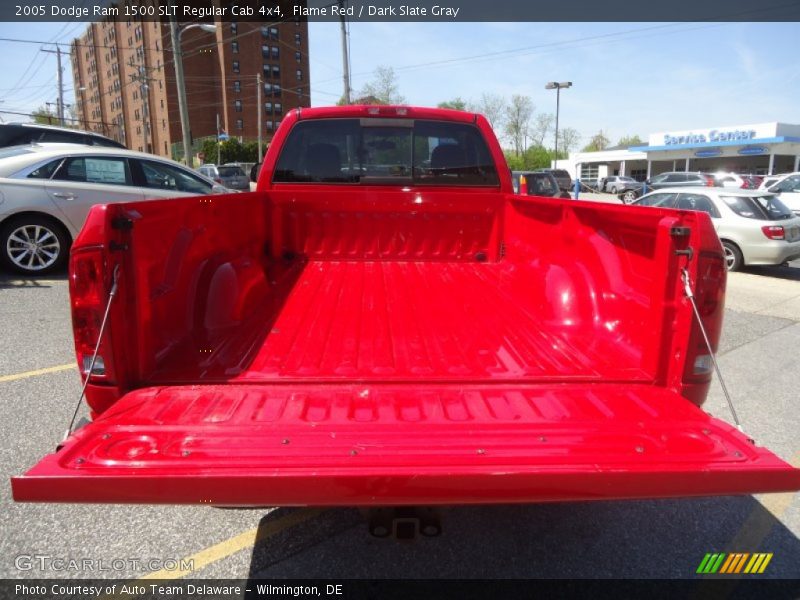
{"x": 790, "y": 272}
{"x": 14, "y": 280}
{"x": 633, "y": 539}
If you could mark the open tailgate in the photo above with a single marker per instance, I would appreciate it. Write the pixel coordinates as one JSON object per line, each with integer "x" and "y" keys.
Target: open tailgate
{"x": 396, "y": 444}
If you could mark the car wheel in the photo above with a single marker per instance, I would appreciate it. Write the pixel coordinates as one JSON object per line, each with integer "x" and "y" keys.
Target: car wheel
{"x": 733, "y": 256}
{"x": 33, "y": 245}
{"x": 628, "y": 197}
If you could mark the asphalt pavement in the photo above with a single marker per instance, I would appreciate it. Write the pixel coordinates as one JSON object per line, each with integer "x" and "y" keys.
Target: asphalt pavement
{"x": 640, "y": 539}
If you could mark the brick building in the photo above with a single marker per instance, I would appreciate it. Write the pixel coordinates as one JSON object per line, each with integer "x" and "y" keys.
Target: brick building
{"x": 125, "y": 87}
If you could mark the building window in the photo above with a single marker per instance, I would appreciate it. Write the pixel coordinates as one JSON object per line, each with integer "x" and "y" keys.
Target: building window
{"x": 237, "y": 86}
{"x": 269, "y": 125}
{"x": 275, "y": 52}
{"x": 276, "y": 90}
{"x": 268, "y": 107}
{"x": 298, "y": 56}
{"x": 299, "y": 75}
{"x": 236, "y": 66}
{"x": 239, "y": 124}
{"x": 276, "y": 72}
{"x": 234, "y": 28}
{"x": 298, "y": 39}
{"x": 273, "y": 33}
{"x": 278, "y": 108}
{"x": 235, "y": 47}
{"x": 264, "y": 51}
{"x": 237, "y": 105}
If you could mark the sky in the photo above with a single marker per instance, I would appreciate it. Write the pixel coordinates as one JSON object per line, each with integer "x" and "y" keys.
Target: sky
{"x": 628, "y": 78}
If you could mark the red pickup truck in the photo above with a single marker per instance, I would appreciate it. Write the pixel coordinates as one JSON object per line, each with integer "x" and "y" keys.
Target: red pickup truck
{"x": 383, "y": 322}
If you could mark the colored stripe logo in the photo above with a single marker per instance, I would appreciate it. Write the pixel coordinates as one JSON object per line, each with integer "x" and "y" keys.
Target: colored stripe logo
{"x": 734, "y": 562}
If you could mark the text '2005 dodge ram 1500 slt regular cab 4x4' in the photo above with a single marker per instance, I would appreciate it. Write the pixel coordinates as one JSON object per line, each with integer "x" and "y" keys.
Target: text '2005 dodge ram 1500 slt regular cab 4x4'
{"x": 383, "y": 322}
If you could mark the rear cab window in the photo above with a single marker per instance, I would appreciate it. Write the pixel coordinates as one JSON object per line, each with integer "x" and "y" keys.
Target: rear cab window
{"x": 386, "y": 151}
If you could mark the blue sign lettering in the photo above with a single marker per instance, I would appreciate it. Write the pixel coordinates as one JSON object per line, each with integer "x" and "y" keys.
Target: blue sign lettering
{"x": 749, "y": 150}
{"x": 714, "y": 135}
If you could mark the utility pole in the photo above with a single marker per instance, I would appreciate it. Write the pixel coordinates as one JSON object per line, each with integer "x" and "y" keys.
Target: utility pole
{"x": 218, "y": 143}
{"x": 181, "y": 85}
{"x": 345, "y": 54}
{"x": 144, "y": 93}
{"x": 260, "y": 110}
{"x": 60, "y": 75}
{"x": 557, "y": 86}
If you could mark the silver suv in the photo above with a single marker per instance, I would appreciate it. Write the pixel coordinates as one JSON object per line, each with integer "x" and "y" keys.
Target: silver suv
{"x": 232, "y": 177}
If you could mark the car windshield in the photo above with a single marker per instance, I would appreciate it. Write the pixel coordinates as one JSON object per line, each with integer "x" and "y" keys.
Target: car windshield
{"x": 764, "y": 208}
{"x": 231, "y": 172}
{"x": 627, "y": 179}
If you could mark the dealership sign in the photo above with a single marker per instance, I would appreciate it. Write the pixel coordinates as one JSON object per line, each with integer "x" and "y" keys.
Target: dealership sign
{"x": 750, "y": 150}
{"x": 708, "y": 153}
{"x": 712, "y": 136}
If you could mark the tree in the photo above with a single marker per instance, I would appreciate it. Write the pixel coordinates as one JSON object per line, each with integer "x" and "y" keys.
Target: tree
{"x": 517, "y": 120}
{"x": 541, "y": 127}
{"x": 231, "y": 150}
{"x": 491, "y": 106}
{"x": 568, "y": 139}
{"x": 456, "y": 104}
{"x": 383, "y": 88}
{"x": 630, "y": 140}
{"x": 44, "y": 116}
{"x": 598, "y": 142}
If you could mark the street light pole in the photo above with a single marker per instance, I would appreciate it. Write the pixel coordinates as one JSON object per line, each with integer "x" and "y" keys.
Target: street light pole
{"x": 175, "y": 36}
{"x": 557, "y": 86}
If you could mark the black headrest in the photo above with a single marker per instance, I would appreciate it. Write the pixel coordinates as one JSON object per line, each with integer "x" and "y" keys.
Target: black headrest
{"x": 448, "y": 156}
{"x": 323, "y": 161}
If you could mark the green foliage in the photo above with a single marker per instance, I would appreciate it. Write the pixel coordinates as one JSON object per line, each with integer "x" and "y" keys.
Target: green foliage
{"x": 43, "y": 116}
{"x": 231, "y": 150}
{"x": 630, "y": 140}
{"x": 534, "y": 157}
{"x": 383, "y": 89}
{"x": 456, "y": 103}
{"x": 598, "y": 142}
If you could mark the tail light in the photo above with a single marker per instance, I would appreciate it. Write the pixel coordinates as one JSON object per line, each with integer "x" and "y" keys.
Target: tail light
{"x": 523, "y": 184}
{"x": 709, "y": 293}
{"x": 89, "y": 295}
{"x": 709, "y": 181}
{"x": 774, "y": 232}
{"x": 218, "y": 180}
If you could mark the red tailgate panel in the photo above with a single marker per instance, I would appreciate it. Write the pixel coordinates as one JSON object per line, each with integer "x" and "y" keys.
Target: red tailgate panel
{"x": 254, "y": 445}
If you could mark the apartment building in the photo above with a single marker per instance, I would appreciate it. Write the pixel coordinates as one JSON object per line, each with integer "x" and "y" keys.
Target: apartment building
{"x": 125, "y": 85}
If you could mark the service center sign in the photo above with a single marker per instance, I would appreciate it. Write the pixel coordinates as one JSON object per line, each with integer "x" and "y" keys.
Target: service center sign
{"x": 740, "y": 133}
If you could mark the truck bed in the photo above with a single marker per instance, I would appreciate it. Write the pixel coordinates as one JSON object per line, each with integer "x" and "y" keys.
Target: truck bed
{"x": 398, "y": 320}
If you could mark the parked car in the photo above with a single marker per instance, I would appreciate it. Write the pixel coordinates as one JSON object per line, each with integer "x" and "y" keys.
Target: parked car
{"x": 231, "y": 176}
{"x": 769, "y": 180}
{"x": 729, "y": 180}
{"x": 755, "y": 227}
{"x": 562, "y": 176}
{"x": 617, "y": 183}
{"x": 16, "y": 134}
{"x": 535, "y": 183}
{"x": 788, "y": 189}
{"x": 47, "y": 190}
{"x": 254, "y": 171}
{"x": 679, "y": 178}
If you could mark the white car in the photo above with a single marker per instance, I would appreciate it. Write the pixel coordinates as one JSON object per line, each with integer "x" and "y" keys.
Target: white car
{"x": 754, "y": 226}
{"x": 788, "y": 190}
{"x": 46, "y": 191}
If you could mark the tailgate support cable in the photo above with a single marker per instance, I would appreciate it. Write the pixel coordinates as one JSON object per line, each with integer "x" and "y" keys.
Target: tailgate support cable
{"x": 687, "y": 289}
{"x": 89, "y": 372}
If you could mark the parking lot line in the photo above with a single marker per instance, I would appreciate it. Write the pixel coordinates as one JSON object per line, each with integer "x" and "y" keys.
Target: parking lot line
{"x": 45, "y": 371}
{"x": 233, "y": 545}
